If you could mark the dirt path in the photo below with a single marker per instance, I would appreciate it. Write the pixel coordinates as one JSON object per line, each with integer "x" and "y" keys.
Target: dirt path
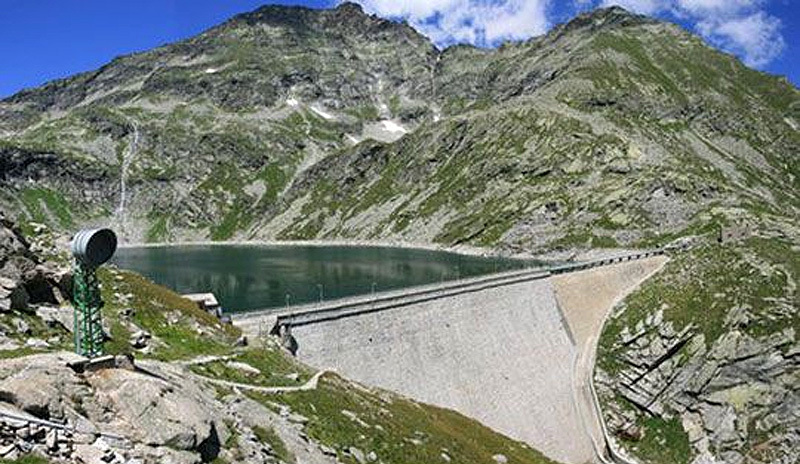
{"x": 205, "y": 360}
{"x": 310, "y": 385}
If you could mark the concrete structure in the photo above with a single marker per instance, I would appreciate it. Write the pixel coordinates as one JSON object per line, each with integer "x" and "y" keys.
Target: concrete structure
{"x": 205, "y": 301}
{"x": 586, "y": 299}
{"x": 494, "y": 355}
{"x": 496, "y": 348}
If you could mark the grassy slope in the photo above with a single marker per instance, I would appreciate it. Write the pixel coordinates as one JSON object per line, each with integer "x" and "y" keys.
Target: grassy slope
{"x": 274, "y": 366}
{"x": 343, "y": 415}
{"x": 181, "y": 329}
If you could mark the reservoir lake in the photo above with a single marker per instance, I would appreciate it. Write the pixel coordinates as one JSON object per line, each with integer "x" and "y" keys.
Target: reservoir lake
{"x": 251, "y": 277}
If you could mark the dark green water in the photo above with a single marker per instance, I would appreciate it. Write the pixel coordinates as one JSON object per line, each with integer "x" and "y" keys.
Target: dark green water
{"x": 247, "y": 277}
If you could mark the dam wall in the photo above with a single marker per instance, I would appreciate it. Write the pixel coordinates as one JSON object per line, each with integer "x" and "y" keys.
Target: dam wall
{"x": 513, "y": 350}
{"x": 502, "y": 355}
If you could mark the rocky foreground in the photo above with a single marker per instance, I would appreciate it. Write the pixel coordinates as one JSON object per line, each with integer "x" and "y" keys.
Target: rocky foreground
{"x": 151, "y": 412}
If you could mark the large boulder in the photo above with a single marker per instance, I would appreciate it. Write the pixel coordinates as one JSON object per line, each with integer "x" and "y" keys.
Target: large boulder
{"x": 23, "y": 277}
{"x": 17, "y": 262}
{"x": 153, "y": 405}
{"x": 153, "y": 410}
{"x": 42, "y": 385}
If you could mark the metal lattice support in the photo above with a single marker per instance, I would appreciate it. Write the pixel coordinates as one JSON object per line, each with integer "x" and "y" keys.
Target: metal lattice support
{"x": 88, "y": 326}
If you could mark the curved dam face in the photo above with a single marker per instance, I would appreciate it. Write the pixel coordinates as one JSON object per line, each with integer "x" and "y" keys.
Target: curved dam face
{"x": 497, "y": 355}
{"x": 515, "y": 353}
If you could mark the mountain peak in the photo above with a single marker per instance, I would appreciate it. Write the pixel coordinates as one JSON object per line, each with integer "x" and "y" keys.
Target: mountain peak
{"x": 350, "y": 8}
{"x": 609, "y": 17}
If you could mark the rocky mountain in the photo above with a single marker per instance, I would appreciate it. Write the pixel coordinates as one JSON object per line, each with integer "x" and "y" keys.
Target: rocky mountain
{"x": 613, "y": 129}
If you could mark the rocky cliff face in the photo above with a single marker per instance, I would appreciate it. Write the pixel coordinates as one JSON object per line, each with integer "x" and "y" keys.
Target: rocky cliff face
{"x": 613, "y": 129}
{"x": 701, "y": 364}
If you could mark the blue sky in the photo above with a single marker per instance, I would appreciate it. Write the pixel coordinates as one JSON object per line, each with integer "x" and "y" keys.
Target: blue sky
{"x": 42, "y": 40}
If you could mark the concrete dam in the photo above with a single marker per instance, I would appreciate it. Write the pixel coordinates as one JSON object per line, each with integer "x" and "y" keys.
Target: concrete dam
{"x": 513, "y": 350}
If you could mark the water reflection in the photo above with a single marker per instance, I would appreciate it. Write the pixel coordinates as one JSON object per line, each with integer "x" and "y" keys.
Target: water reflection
{"x": 246, "y": 277}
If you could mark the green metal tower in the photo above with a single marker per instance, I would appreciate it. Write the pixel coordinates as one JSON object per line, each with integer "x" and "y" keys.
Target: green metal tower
{"x": 88, "y": 324}
{"x": 91, "y": 248}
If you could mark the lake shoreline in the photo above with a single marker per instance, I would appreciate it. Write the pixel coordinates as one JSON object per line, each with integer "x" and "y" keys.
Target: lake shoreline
{"x": 460, "y": 249}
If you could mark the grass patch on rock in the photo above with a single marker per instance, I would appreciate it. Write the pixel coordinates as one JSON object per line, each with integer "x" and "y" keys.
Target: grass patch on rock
{"x": 664, "y": 442}
{"x": 30, "y": 459}
{"x": 271, "y": 438}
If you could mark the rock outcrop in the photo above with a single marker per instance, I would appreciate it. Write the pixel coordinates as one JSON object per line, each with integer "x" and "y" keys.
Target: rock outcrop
{"x": 716, "y": 382}
{"x": 24, "y": 279}
{"x": 151, "y": 413}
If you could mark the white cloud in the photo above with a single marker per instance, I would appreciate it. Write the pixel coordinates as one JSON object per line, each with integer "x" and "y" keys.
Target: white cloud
{"x": 480, "y": 22}
{"x": 755, "y": 37}
{"x": 718, "y": 7}
{"x": 742, "y": 27}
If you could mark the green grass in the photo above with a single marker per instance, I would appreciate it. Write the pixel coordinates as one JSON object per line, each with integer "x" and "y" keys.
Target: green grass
{"x": 276, "y": 178}
{"x": 18, "y": 353}
{"x": 47, "y": 206}
{"x": 644, "y": 65}
{"x": 158, "y": 230}
{"x": 396, "y": 429}
{"x": 58, "y": 337}
{"x": 582, "y": 238}
{"x": 663, "y": 442}
{"x": 363, "y": 112}
{"x": 29, "y": 459}
{"x": 271, "y": 438}
{"x": 226, "y": 188}
{"x": 166, "y": 315}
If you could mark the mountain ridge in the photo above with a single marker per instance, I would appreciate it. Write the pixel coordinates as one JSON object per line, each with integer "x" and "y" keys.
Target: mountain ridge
{"x": 345, "y": 81}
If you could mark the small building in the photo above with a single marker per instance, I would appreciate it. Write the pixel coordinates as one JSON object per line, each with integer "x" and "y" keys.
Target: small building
{"x": 206, "y": 301}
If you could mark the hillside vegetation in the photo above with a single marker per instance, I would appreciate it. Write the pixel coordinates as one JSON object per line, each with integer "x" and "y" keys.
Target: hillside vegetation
{"x": 611, "y": 130}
